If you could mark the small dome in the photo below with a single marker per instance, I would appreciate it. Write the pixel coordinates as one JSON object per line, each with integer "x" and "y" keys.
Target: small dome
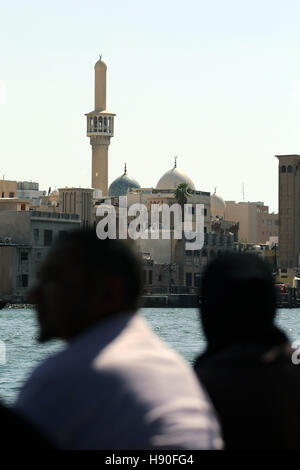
{"x": 120, "y": 186}
{"x": 172, "y": 178}
{"x": 217, "y": 206}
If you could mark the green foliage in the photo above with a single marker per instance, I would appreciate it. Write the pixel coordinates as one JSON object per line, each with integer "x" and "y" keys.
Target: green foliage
{"x": 182, "y": 193}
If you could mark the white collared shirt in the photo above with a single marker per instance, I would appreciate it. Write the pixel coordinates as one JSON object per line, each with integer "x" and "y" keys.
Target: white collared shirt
{"x": 118, "y": 386}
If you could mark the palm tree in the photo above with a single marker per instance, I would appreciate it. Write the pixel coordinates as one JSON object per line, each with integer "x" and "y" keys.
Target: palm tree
{"x": 182, "y": 193}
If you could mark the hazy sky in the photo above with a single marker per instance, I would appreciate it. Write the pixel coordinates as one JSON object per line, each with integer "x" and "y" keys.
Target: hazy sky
{"x": 215, "y": 82}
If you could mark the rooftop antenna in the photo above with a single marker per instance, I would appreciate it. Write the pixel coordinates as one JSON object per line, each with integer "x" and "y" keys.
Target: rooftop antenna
{"x": 125, "y": 169}
{"x": 100, "y": 55}
{"x": 175, "y": 161}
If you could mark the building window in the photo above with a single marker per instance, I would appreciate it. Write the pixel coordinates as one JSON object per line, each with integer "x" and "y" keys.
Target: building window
{"x": 23, "y": 207}
{"x": 36, "y": 235}
{"x": 24, "y": 280}
{"x": 150, "y": 277}
{"x": 11, "y": 194}
{"x": 2, "y": 194}
{"x": 47, "y": 237}
{"x": 290, "y": 169}
{"x": 188, "y": 279}
{"x": 196, "y": 280}
{"x": 24, "y": 255}
{"x": 283, "y": 169}
{"x": 62, "y": 234}
{"x": 205, "y": 211}
{"x": 145, "y": 276}
{"x": 160, "y": 277}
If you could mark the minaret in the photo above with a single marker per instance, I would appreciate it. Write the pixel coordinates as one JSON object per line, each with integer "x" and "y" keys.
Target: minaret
{"x": 100, "y": 128}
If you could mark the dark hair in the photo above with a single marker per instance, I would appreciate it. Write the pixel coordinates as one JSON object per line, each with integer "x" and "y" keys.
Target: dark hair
{"x": 238, "y": 298}
{"x": 103, "y": 258}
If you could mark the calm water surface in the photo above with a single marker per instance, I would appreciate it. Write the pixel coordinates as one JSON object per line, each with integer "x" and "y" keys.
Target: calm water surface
{"x": 177, "y": 327}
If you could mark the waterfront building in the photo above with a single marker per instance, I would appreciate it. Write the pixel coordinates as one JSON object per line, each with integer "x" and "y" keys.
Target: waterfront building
{"x": 50, "y": 202}
{"x": 166, "y": 270}
{"x": 77, "y": 201}
{"x": 14, "y": 204}
{"x": 25, "y": 237}
{"x": 256, "y": 224}
{"x": 30, "y": 191}
{"x": 289, "y": 210}
{"x": 8, "y": 188}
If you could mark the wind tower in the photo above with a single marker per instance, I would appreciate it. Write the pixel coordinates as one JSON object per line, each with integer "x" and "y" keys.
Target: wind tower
{"x": 100, "y": 129}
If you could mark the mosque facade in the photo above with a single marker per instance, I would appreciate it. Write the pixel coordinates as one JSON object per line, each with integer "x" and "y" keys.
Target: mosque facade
{"x": 166, "y": 262}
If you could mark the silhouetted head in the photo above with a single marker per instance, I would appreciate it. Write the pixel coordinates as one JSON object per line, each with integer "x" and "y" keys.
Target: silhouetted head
{"x": 238, "y": 300}
{"x": 84, "y": 279}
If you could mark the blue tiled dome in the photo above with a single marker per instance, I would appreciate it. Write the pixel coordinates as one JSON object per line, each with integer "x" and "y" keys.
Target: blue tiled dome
{"x": 120, "y": 186}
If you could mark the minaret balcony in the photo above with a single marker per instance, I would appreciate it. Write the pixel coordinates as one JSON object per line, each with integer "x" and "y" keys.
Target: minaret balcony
{"x": 100, "y": 123}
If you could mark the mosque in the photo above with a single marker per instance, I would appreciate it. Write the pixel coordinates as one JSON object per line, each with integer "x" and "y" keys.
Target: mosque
{"x": 165, "y": 261}
{"x": 100, "y": 130}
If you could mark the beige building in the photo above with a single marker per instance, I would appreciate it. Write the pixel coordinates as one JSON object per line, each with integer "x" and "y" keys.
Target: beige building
{"x": 77, "y": 201}
{"x": 256, "y": 224}
{"x": 8, "y": 188}
{"x": 289, "y": 210}
{"x": 14, "y": 204}
{"x": 50, "y": 202}
{"x": 100, "y": 129}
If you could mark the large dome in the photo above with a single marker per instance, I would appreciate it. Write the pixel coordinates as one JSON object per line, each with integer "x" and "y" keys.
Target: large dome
{"x": 120, "y": 186}
{"x": 217, "y": 206}
{"x": 172, "y": 178}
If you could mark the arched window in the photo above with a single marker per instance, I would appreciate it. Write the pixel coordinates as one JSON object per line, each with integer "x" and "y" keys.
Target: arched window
{"x": 290, "y": 169}
{"x": 283, "y": 169}
{"x": 95, "y": 124}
